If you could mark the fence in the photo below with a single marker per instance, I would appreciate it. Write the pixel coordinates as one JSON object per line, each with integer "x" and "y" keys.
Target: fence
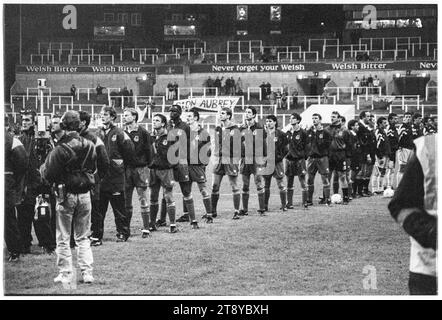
{"x": 301, "y": 55}
{"x": 192, "y": 90}
{"x": 393, "y": 40}
{"x": 138, "y": 51}
{"x": 323, "y": 42}
{"x": 228, "y": 57}
{"x": 49, "y": 58}
{"x": 91, "y": 58}
{"x": 341, "y": 47}
{"x": 342, "y": 92}
{"x": 243, "y": 46}
{"x": 45, "y": 46}
{"x": 378, "y": 54}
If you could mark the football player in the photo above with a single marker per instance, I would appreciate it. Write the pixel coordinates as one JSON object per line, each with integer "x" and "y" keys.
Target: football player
{"x": 365, "y": 139}
{"x": 406, "y": 144}
{"x": 393, "y": 139}
{"x": 278, "y": 143}
{"x": 227, "y": 153}
{"x": 383, "y": 151}
{"x": 318, "y": 144}
{"x": 337, "y": 154}
{"x": 354, "y": 154}
{"x": 198, "y": 158}
{"x": 295, "y": 160}
{"x": 253, "y": 148}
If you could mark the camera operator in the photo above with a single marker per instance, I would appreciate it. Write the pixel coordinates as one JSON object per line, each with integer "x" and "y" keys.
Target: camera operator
{"x": 70, "y": 167}
{"x": 37, "y": 146}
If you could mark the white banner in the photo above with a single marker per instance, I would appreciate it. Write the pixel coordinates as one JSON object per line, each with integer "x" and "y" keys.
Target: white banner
{"x": 208, "y": 103}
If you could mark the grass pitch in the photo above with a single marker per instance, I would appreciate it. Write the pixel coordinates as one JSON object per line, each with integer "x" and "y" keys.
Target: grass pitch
{"x": 319, "y": 251}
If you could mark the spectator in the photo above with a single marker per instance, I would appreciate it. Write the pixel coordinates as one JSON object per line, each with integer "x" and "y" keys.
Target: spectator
{"x": 125, "y": 96}
{"x": 295, "y": 98}
{"x": 74, "y": 92}
{"x": 217, "y": 84}
{"x": 273, "y": 53}
{"x": 363, "y": 84}
{"x": 210, "y": 85}
{"x": 170, "y": 91}
{"x": 227, "y": 86}
{"x": 278, "y": 97}
{"x": 263, "y": 87}
{"x": 175, "y": 90}
{"x": 376, "y": 83}
{"x": 324, "y": 95}
{"x": 370, "y": 84}
{"x": 232, "y": 87}
{"x": 272, "y": 98}
{"x": 356, "y": 84}
{"x": 239, "y": 87}
{"x": 131, "y": 96}
{"x": 268, "y": 88}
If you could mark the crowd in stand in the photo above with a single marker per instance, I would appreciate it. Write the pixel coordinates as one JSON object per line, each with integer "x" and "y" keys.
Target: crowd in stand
{"x": 366, "y": 85}
{"x": 229, "y": 87}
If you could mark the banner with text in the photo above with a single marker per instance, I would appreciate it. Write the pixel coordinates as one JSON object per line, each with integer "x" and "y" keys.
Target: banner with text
{"x": 212, "y": 104}
{"x": 314, "y": 66}
{"x": 84, "y": 69}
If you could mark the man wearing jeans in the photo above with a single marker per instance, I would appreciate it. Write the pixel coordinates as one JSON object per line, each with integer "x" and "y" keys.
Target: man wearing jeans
{"x": 70, "y": 167}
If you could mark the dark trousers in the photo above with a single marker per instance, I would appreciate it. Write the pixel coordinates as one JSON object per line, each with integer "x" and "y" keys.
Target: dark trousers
{"x": 43, "y": 229}
{"x": 422, "y": 284}
{"x": 118, "y": 206}
{"x": 12, "y": 234}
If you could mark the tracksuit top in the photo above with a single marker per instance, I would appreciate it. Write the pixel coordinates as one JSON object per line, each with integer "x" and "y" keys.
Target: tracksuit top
{"x": 406, "y": 136}
{"x": 382, "y": 143}
{"x": 183, "y": 128}
{"x": 416, "y": 131}
{"x": 393, "y": 138}
{"x": 297, "y": 142}
{"x": 318, "y": 143}
{"x": 225, "y": 139}
{"x": 259, "y": 146}
{"x": 121, "y": 153}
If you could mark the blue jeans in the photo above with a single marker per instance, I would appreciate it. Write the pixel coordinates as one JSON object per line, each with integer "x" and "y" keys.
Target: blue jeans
{"x": 75, "y": 208}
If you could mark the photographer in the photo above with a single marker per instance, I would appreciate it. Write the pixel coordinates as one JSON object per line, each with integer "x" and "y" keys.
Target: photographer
{"x": 37, "y": 147}
{"x": 71, "y": 166}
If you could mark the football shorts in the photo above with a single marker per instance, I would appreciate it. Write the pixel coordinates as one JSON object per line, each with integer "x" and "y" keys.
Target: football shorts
{"x": 295, "y": 168}
{"x": 197, "y": 173}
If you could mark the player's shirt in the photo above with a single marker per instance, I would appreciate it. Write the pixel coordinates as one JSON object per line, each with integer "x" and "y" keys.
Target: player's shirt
{"x": 141, "y": 140}
{"x": 382, "y": 143}
{"x": 183, "y": 129}
{"x": 416, "y": 131}
{"x": 406, "y": 136}
{"x": 318, "y": 142}
{"x": 354, "y": 150}
{"x": 199, "y": 139}
{"x": 160, "y": 148}
{"x": 297, "y": 142}
{"x": 281, "y": 144}
{"x": 225, "y": 138}
{"x": 340, "y": 138}
{"x": 429, "y": 130}
{"x": 257, "y": 132}
{"x": 366, "y": 138}
{"x": 393, "y": 138}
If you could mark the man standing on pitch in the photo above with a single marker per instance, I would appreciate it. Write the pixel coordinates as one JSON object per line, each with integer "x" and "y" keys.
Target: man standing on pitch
{"x": 318, "y": 143}
{"x": 120, "y": 150}
{"x": 137, "y": 173}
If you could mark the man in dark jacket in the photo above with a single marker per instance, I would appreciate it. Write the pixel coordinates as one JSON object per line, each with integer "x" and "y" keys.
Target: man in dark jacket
{"x": 15, "y": 167}
{"x": 414, "y": 207}
{"x": 161, "y": 173}
{"x": 277, "y": 148}
{"x": 318, "y": 143}
{"x": 138, "y": 173}
{"x": 37, "y": 149}
{"x": 120, "y": 150}
{"x": 295, "y": 161}
{"x": 102, "y": 171}
{"x": 70, "y": 167}
{"x": 366, "y": 139}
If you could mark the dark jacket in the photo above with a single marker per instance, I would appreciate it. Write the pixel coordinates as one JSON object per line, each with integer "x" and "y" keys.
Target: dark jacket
{"x": 354, "y": 150}
{"x": 318, "y": 143}
{"x": 199, "y": 139}
{"x": 16, "y": 162}
{"x": 280, "y": 140}
{"x": 36, "y": 150}
{"x": 142, "y": 144}
{"x": 366, "y": 139}
{"x": 121, "y": 153}
{"x": 73, "y": 163}
{"x": 297, "y": 142}
{"x": 102, "y": 157}
{"x": 406, "y": 136}
{"x": 160, "y": 148}
{"x": 416, "y": 131}
{"x": 382, "y": 143}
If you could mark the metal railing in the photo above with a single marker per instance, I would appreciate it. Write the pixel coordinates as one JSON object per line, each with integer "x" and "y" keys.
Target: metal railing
{"x": 49, "y": 58}
{"x": 91, "y": 58}
{"x": 217, "y": 56}
{"x": 206, "y": 91}
{"x": 301, "y": 55}
{"x": 379, "y": 54}
{"x": 136, "y": 52}
{"x": 342, "y": 47}
{"x": 396, "y": 40}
